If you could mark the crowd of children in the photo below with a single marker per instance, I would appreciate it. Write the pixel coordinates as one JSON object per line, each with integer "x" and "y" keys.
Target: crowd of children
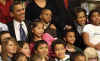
{"x": 45, "y": 41}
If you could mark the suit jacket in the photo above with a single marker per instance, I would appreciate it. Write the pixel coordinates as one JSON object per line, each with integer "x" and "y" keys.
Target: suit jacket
{"x": 12, "y": 30}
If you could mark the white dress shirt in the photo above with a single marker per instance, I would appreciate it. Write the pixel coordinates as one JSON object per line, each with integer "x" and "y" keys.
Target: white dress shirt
{"x": 17, "y": 27}
{"x": 64, "y": 59}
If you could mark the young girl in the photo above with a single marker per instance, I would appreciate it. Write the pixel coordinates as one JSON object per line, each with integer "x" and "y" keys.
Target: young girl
{"x": 91, "y": 32}
{"x": 37, "y": 30}
{"x": 24, "y": 48}
{"x": 38, "y": 34}
{"x": 70, "y": 38}
{"x": 9, "y": 48}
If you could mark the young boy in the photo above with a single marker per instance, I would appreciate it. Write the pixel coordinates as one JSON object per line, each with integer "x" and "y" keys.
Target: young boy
{"x": 77, "y": 56}
{"x": 46, "y": 18}
{"x": 59, "y": 49}
{"x": 91, "y": 32}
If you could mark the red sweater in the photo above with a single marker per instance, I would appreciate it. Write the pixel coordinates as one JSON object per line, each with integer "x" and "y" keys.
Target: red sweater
{"x": 5, "y": 12}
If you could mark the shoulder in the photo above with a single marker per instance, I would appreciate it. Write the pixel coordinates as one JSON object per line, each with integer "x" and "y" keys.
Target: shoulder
{"x": 88, "y": 28}
{"x": 89, "y": 25}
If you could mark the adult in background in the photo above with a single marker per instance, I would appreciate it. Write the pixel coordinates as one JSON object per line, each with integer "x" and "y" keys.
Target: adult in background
{"x": 19, "y": 28}
{"x": 4, "y": 11}
{"x": 33, "y": 9}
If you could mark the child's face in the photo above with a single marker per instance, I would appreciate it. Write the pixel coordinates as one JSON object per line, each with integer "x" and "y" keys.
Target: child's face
{"x": 81, "y": 18}
{"x": 42, "y": 50}
{"x": 26, "y": 50}
{"x": 92, "y": 59}
{"x": 11, "y": 47}
{"x": 38, "y": 30}
{"x": 46, "y": 16}
{"x": 60, "y": 51}
{"x": 95, "y": 17}
{"x": 70, "y": 37}
{"x": 80, "y": 58}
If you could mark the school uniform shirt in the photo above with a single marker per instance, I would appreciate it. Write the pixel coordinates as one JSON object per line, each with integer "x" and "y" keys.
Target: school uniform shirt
{"x": 94, "y": 34}
{"x": 67, "y": 58}
{"x": 3, "y": 27}
{"x": 17, "y": 27}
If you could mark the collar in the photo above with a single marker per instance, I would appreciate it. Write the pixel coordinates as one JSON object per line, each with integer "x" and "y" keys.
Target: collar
{"x": 46, "y": 25}
{"x": 18, "y": 23}
{"x": 64, "y": 59}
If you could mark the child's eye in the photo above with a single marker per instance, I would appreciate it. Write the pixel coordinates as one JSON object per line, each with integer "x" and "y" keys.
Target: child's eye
{"x": 47, "y": 47}
{"x": 41, "y": 47}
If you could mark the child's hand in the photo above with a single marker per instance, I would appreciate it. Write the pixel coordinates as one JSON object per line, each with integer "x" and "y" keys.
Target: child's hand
{"x": 67, "y": 27}
{"x": 52, "y": 26}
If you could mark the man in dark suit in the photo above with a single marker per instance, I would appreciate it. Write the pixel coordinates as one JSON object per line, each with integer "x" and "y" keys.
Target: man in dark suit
{"x": 18, "y": 28}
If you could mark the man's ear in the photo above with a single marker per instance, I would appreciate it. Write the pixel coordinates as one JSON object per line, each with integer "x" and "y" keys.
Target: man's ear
{"x": 11, "y": 14}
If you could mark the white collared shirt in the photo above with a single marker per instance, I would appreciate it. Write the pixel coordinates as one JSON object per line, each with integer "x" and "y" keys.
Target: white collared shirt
{"x": 17, "y": 27}
{"x": 64, "y": 59}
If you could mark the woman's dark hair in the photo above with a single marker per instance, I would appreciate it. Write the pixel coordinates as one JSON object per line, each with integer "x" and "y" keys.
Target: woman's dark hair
{"x": 91, "y": 13}
{"x": 78, "y": 10}
{"x": 74, "y": 55}
{"x": 38, "y": 43}
{"x": 58, "y": 41}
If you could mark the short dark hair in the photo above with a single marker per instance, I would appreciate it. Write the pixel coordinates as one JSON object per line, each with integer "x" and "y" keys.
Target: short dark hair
{"x": 66, "y": 31}
{"x": 14, "y": 3}
{"x": 2, "y": 33}
{"x": 58, "y": 41}
{"x": 91, "y": 12}
{"x": 39, "y": 42}
{"x": 75, "y": 55}
{"x": 78, "y": 10}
